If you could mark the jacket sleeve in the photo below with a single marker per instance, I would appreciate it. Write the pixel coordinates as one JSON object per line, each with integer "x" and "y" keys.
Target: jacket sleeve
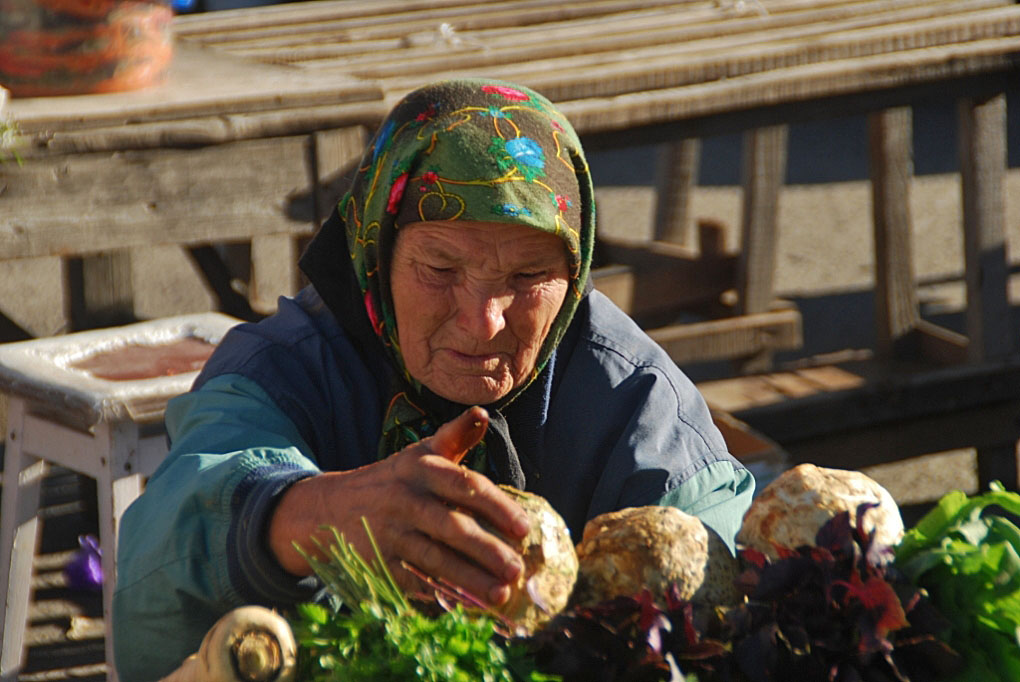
{"x": 190, "y": 548}
{"x": 719, "y": 494}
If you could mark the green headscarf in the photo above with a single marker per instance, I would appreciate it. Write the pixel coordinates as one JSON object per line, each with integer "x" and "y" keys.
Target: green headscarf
{"x": 476, "y": 150}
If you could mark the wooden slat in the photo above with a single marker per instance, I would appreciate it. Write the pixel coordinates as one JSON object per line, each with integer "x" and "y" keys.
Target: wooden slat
{"x": 764, "y": 170}
{"x": 891, "y": 153}
{"x": 840, "y": 77}
{"x": 940, "y": 345}
{"x": 273, "y": 271}
{"x": 631, "y": 30}
{"x": 742, "y": 393}
{"x": 982, "y": 170}
{"x": 830, "y": 378}
{"x": 668, "y": 57}
{"x": 666, "y": 277}
{"x": 209, "y": 130}
{"x": 99, "y": 292}
{"x": 229, "y": 192}
{"x": 896, "y": 398}
{"x": 201, "y": 83}
{"x": 337, "y": 153}
{"x": 677, "y": 174}
{"x": 990, "y": 429}
{"x": 731, "y": 338}
{"x": 468, "y": 16}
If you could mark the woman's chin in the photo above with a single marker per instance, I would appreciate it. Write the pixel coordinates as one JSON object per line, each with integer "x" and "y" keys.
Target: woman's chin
{"x": 470, "y": 390}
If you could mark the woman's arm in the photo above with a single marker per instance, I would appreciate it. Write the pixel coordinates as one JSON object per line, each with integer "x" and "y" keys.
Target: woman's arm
{"x": 190, "y": 547}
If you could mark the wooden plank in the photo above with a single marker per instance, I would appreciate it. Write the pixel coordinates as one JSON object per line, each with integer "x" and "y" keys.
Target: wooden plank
{"x": 992, "y": 429}
{"x": 830, "y": 377}
{"x": 982, "y": 171}
{"x": 274, "y": 271}
{"x": 642, "y": 33}
{"x": 201, "y": 82}
{"x": 730, "y": 338}
{"x": 666, "y": 277}
{"x": 892, "y": 169}
{"x": 669, "y": 56}
{"x": 764, "y": 171}
{"x": 790, "y": 384}
{"x": 466, "y": 16}
{"x": 795, "y": 84}
{"x": 895, "y": 398}
{"x": 337, "y": 153}
{"x": 940, "y": 345}
{"x": 630, "y": 31}
{"x": 229, "y": 192}
{"x": 207, "y": 130}
{"x": 677, "y": 173}
{"x": 99, "y": 290}
{"x": 765, "y": 458}
{"x": 741, "y": 393}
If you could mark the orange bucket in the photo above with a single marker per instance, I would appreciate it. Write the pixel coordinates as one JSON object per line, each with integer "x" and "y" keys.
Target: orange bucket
{"x": 74, "y": 47}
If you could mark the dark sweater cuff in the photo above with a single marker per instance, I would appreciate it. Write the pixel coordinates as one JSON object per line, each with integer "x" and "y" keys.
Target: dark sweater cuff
{"x": 253, "y": 570}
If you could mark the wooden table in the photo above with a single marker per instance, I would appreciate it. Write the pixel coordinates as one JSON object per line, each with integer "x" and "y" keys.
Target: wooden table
{"x": 219, "y": 153}
{"x": 268, "y": 106}
{"x": 629, "y": 72}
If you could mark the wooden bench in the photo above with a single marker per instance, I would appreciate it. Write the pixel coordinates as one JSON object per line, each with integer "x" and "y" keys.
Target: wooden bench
{"x": 92, "y": 402}
{"x": 292, "y": 90}
{"x": 671, "y": 72}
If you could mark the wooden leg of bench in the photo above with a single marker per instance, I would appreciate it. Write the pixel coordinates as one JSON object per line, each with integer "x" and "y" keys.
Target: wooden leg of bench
{"x": 676, "y": 174}
{"x": 982, "y": 171}
{"x": 764, "y": 170}
{"x": 892, "y": 169}
{"x": 998, "y": 464}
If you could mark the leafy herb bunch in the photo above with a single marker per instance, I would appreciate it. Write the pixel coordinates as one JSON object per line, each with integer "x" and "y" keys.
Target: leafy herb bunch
{"x": 370, "y": 632}
{"x": 966, "y": 553}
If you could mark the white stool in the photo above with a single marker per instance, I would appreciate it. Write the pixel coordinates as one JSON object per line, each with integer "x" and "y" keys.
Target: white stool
{"x": 92, "y": 402}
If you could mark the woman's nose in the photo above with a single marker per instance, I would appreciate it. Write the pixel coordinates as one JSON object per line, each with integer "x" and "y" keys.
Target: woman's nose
{"x": 483, "y": 314}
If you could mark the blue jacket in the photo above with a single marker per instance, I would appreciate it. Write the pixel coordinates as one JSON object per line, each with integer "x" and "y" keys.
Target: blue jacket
{"x": 613, "y": 424}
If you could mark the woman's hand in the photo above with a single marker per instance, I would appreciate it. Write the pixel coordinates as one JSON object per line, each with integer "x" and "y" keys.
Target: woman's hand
{"x": 421, "y": 506}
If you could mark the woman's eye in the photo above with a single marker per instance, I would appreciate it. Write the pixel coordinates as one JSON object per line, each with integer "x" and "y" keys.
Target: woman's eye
{"x": 439, "y": 270}
{"x": 531, "y": 275}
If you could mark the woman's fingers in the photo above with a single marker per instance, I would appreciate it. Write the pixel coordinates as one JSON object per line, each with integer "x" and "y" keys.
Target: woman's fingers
{"x": 438, "y": 560}
{"x": 461, "y": 487}
{"x": 453, "y": 439}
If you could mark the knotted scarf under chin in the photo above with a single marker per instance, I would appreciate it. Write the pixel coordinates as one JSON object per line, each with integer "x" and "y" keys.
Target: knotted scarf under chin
{"x": 405, "y": 424}
{"x": 496, "y": 456}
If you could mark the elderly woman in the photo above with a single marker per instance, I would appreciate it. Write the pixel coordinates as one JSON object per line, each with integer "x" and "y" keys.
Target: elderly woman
{"x": 454, "y": 274}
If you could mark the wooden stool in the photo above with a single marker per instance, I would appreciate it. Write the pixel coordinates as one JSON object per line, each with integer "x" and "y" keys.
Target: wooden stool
{"x": 92, "y": 402}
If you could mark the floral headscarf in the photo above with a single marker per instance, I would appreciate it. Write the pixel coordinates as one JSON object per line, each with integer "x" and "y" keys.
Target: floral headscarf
{"x": 476, "y": 150}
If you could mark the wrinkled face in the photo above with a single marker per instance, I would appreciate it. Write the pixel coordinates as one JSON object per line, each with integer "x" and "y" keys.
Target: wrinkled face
{"x": 474, "y": 301}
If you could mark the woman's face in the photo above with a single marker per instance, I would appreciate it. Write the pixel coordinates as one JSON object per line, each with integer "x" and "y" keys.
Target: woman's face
{"x": 474, "y": 301}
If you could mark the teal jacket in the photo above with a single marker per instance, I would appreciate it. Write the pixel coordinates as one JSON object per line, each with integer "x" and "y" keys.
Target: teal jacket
{"x": 610, "y": 423}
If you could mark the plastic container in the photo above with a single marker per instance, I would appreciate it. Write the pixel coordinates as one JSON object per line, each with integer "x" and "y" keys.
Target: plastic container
{"x": 73, "y": 47}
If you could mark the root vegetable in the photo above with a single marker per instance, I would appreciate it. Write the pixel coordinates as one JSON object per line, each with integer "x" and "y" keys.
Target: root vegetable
{"x": 653, "y": 547}
{"x": 248, "y": 644}
{"x": 550, "y": 565}
{"x": 791, "y": 509}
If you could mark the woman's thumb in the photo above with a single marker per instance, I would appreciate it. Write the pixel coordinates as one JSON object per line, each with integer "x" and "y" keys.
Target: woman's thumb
{"x": 453, "y": 439}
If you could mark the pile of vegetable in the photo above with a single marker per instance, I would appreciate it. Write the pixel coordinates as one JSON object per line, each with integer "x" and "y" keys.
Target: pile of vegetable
{"x": 863, "y": 600}
{"x": 966, "y": 554}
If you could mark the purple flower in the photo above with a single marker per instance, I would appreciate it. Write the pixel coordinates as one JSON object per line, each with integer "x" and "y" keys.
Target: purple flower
{"x": 85, "y": 569}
